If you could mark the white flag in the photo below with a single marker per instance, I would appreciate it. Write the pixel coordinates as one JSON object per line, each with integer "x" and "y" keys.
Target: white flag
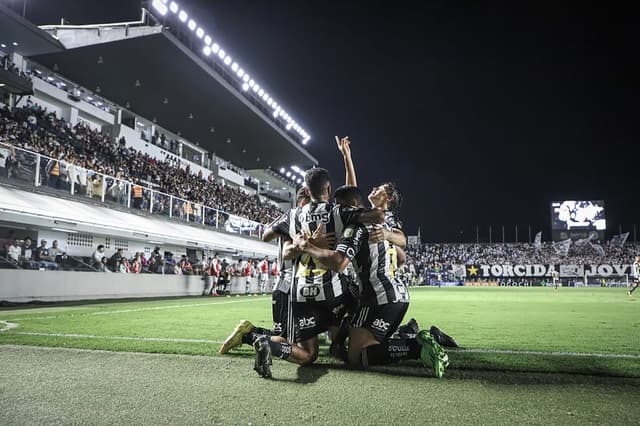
{"x": 537, "y": 242}
{"x": 562, "y": 247}
{"x": 598, "y": 248}
{"x": 619, "y": 240}
{"x": 583, "y": 241}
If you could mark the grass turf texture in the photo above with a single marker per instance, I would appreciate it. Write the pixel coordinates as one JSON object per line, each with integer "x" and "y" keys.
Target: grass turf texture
{"x": 478, "y": 388}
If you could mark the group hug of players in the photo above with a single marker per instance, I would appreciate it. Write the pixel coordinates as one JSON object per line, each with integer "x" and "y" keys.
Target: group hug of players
{"x": 318, "y": 241}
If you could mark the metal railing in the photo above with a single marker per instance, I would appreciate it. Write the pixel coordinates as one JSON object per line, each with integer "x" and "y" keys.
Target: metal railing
{"x": 58, "y": 175}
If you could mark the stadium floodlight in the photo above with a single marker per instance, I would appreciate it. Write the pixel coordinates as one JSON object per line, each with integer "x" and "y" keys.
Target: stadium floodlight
{"x": 305, "y": 140}
{"x": 207, "y": 40}
{"x": 160, "y": 6}
{"x": 173, "y": 6}
{"x": 191, "y": 24}
{"x": 3, "y": 45}
{"x": 245, "y": 78}
{"x": 289, "y": 126}
{"x": 240, "y": 72}
{"x": 215, "y": 48}
{"x": 15, "y": 43}
{"x": 245, "y": 87}
{"x": 274, "y": 105}
{"x": 227, "y": 60}
{"x": 207, "y": 50}
{"x": 200, "y": 32}
{"x": 252, "y": 84}
{"x": 265, "y": 96}
{"x": 269, "y": 101}
{"x": 282, "y": 170}
{"x": 221, "y": 54}
{"x": 275, "y": 114}
{"x": 288, "y": 174}
{"x": 183, "y": 16}
{"x": 260, "y": 92}
{"x": 234, "y": 67}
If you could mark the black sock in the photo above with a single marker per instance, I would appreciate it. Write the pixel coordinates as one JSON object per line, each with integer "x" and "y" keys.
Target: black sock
{"x": 263, "y": 331}
{"x": 250, "y": 337}
{"x": 390, "y": 351}
{"x": 280, "y": 349}
{"x": 633, "y": 289}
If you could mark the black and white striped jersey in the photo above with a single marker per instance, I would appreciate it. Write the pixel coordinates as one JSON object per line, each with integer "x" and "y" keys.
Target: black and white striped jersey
{"x": 314, "y": 282}
{"x": 635, "y": 270}
{"x": 376, "y": 265}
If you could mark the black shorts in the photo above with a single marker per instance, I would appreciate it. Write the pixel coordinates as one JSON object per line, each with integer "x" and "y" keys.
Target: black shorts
{"x": 280, "y": 312}
{"x": 381, "y": 320}
{"x": 313, "y": 318}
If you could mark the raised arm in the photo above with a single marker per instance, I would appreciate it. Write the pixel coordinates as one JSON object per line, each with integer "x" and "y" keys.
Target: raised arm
{"x": 350, "y": 171}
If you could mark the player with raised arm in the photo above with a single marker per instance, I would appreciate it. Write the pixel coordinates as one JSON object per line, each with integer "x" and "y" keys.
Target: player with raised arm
{"x": 635, "y": 273}
{"x": 383, "y": 301}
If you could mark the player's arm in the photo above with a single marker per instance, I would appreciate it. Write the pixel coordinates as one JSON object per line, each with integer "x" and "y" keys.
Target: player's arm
{"x": 351, "y": 216}
{"x": 401, "y": 256}
{"x": 289, "y": 251}
{"x": 395, "y": 236}
{"x": 277, "y": 228}
{"x": 349, "y": 169}
{"x": 330, "y": 258}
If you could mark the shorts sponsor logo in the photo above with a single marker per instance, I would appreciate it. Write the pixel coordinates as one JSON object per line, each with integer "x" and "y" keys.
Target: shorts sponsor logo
{"x": 398, "y": 348}
{"x": 305, "y": 323}
{"x": 381, "y": 324}
{"x": 310, "y": 291}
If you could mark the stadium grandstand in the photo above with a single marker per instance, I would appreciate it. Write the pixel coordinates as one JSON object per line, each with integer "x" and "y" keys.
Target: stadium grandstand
{"x": 93, "y": 153}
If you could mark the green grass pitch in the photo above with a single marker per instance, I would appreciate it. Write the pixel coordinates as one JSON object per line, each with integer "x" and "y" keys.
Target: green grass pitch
{"x": 531, "y": 356}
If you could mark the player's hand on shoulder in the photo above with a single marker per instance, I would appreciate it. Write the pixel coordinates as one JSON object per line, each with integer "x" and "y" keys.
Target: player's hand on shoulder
{"x": 324, "y": 241}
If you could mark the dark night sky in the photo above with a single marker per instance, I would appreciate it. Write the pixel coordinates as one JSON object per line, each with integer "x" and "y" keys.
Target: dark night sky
{"x": 481, "y": 113}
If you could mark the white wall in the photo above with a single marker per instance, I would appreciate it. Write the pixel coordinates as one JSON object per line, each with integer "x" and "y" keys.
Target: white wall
{"x": 20, "y": 286}
{"x": 26, "y": 286}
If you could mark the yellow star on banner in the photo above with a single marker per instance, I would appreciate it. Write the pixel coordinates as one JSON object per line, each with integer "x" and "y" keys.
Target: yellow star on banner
{"x": 472, "y": 270}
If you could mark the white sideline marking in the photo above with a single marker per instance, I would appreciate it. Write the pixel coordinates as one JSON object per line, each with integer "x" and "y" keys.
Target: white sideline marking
{"x": 146, "y": 339}
{"x": 122, "y": 311}
{"x": 476, "y": 351}
{"x": 569, "y": 354}
{"x": 7, "y": 326}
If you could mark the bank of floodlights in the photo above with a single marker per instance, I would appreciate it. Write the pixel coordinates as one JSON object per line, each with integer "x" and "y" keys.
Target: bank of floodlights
{"x": 163, "y": 7}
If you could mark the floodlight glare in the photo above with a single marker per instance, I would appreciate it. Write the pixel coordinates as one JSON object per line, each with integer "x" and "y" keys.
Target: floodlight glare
{"x": 200, "y": 32}
{"x": 234, "y": 67}
{"x": 221, "y": 54}
{"x": 252, "y": 83}
{"x": 207, "y": 50}
{"x": 275, "y": 105}
{"x": 260, "y": 92}
{"x": 282, "y": 170}
{"x": 160, "y": 7}
{"x": 207, "y": 39}
{"x": 269, "y": 101}
{"x": 245, "y": 87}
{"x": 289, "y": 126}
{"x": 173, "y": 7}
{"x": 183, "y": 16}
{"x": 275, "y": 114}
{"x": 265, "y": 96}
{"x": 305, "y": 140}
{"x": 192, "y": 24}
{"x": 240, "y": 72}
{"x": 227, "y": 60}
{"x": 215, "y": 47}
{"x": 245, "y": 78}
{"x": 288, "y": 174}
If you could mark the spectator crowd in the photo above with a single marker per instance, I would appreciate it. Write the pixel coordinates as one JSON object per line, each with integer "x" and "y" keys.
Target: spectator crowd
{"x": 82, "y": 155}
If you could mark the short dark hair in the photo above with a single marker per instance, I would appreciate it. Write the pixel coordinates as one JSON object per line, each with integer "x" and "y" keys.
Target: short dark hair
{"x": 301, "y": 195}
{"x": 395, "y": 197}
{"x": 348, "y": 195}
{"x": 317, "y": 180}
{"x": 100, "y": 246}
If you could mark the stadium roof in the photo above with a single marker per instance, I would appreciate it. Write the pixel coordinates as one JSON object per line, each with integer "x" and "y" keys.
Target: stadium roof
{"x": 159, "y": 77}
{"x": 19, "y": 35}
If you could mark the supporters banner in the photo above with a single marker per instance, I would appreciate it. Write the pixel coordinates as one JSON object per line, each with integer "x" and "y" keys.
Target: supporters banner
{"x": 537, "y": 242}
{"x": 537, "y": 270}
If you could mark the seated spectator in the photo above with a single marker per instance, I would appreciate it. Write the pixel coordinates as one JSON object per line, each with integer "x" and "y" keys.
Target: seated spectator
{"x": 43, "y": 257}
{"x": 115, "y": 259}
{"x": 26, "y": 255}
{"x": 170, "y": 264}
{"x": 97, "y": 256}
{"x": 135, "y": 266}
{"x": 156, "y": 262}
{"x": 103, "y": 266}
{"x": 185, "y": 266}
{"x": 14, "y": 251}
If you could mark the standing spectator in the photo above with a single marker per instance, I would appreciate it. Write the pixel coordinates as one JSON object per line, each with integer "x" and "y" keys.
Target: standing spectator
{"x": 53, "y": 173}
{"x": 247, "y": 273}
{"x": 156, "y": 262}
{"x": 186, "y": 268}
{"x": 116, "y": 260}
{"x": 215, "y": 269}
{"x": 224, "y": 277}
{"x": 137, "y": 196}
{"x": 263, "y": 269}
